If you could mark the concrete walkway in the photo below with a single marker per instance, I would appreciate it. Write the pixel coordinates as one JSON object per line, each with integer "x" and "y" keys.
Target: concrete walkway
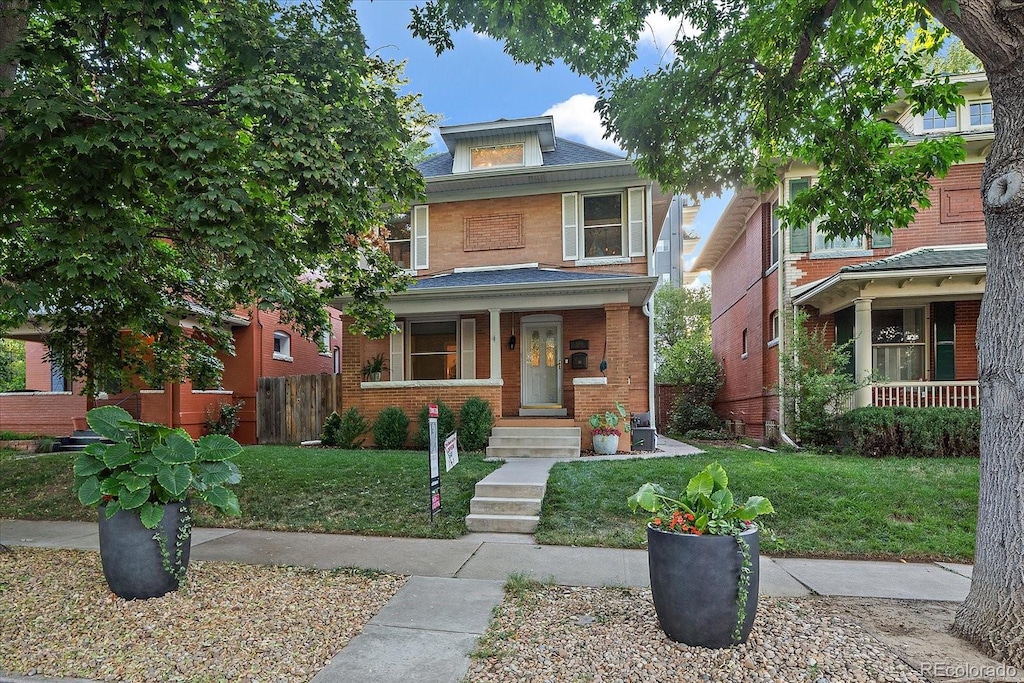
{"x": 436, "y": 618}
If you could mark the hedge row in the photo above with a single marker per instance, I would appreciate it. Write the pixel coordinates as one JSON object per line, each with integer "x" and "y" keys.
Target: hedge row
{"x": 911, "y": 432}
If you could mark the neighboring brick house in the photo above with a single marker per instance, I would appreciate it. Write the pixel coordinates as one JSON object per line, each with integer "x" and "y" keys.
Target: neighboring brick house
{"x": 263, "y": 347}
{"x": 909, "y": 301}
{"x": 532, "y": 258}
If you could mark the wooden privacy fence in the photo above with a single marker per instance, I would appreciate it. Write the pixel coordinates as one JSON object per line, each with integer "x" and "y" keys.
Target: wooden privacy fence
{"x": 293, "y": 408}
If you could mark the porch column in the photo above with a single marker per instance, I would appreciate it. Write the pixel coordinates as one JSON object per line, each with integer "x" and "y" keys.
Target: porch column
{"x": 495, "y": 342}
{"x": 862, "y": 350}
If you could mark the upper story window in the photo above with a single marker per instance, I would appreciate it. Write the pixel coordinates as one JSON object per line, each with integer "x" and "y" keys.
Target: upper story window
{"x": 496, "y": 156}
{"x": 325, "y": 343}
{"x": 824, "y": 243}
{"x": 282, "y": 346}
{"x": 773, "y": 255}
{"x": 932, "y": 120}
{"x": 602, "y": 225}
{"x": 774, "y": 328}
{"x": 981, "y": 113}
{"x": 743, "y": 344}
{"x": 400, "y": 240}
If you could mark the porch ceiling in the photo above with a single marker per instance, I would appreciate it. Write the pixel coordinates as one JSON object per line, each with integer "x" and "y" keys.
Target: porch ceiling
{"x": 930, "y": 274}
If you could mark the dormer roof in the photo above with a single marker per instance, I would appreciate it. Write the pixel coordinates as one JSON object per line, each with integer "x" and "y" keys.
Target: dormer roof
{"x": 542, "y": 126}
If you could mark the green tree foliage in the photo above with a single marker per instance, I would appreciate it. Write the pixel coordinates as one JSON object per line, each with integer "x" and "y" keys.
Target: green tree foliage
{"x": 680, "y": 313}
{"x": 816, "y": 389}
{"x": 756, "y": 83}
{"x": 954, "y": 59}
{"x": 165, "y": 161}
{"x": 12, "y": 365}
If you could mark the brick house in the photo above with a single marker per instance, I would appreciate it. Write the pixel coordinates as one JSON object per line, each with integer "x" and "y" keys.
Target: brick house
{"x": 264, "y": 347}
{"x": 909, "y": 301}
{"x": 533, "y": 265}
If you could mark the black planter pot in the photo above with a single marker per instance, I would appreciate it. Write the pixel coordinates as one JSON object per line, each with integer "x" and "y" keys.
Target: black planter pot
{"x": 695, "y": 583}
{"x": 132, "y": 562}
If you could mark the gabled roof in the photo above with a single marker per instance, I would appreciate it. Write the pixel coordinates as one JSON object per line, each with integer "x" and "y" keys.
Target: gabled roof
{"x": 565, "y": 153}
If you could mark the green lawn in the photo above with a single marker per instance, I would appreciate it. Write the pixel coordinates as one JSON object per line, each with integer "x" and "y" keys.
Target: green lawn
{"x": 826, "y": 506}
{"x": 286, "y": 488}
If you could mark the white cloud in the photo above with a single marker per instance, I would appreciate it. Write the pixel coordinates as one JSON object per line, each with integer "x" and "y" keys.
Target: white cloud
{"x": 661, "y": 33}
{"x": 576, "y": 119}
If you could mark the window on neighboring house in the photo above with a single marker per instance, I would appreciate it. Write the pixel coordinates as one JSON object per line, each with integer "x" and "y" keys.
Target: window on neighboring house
{"x": 337, "y": 360}
{"x": 57, "y": 381}
{"x": 602, "y": 225}
{"x": 662, "y": 246}
{"x": 981, "y": 113}
{"x": 932, "y": 120}
{"x": 743, "y": 354}
{"x": 773, "y": 255}
{"x": 825, "y": 243}
{"x": 496, "y": 156}
{"x": 400, "y": 240}
{"x": 325, "y": 343}
{"x": 433, "y": 350}
{"x": 282, "y": 346}
{"x": 773, "y": 326}
{"x": 897, "y": 343}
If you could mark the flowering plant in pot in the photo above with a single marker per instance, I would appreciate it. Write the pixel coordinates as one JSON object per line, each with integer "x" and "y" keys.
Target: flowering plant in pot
{"x": 703, "y": 554}
{"x": 604, "y": 428}
{"x": 142, "y": 479}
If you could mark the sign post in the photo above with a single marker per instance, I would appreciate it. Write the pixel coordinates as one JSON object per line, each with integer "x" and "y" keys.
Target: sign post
{"x": 435, "y": 467}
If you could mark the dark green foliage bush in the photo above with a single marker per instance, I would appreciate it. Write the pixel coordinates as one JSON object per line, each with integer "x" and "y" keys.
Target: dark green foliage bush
{"x": 911, "y": 432}
{"x": 475, "y": 422}
{"x": 344, "y": 432}
{"x": 445, "y": 425}
{"x": 708, "y": 435}
{"x": 691, "y": 411}
{"x": 391, "y": 430}
{"x": 224, "y": 419}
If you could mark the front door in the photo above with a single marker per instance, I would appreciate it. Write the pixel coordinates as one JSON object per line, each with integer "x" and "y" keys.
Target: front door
{"x": 541, "y": 361}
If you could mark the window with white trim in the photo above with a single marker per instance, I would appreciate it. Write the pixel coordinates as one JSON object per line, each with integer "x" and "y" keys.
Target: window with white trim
{"x": 980, "y": 113}
{"x": 433, "y": 349}
{"x": 824, "y": 243}
{"x": 773, "y": 255}
{"x": 282, "y": 346}
{"x": 773, "y": 328}
{"x": 743, "y": 353}
{"x": 933, "y": 120}
{"x": 325, "y": 343}
{"x": 897, "y": 343}
{"x": 497, "y": 156}
{"x": 399, "y": 240}
{"x": 602, "y": 225}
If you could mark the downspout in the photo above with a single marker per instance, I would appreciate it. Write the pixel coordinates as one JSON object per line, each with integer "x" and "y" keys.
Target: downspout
{"x": 648, "y": 307}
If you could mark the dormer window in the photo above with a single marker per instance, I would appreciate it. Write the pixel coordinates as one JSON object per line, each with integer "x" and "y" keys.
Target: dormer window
{"x": 496, "y": 156}
{"x": 932, "y": 120}
{"x": 981, "y": 113}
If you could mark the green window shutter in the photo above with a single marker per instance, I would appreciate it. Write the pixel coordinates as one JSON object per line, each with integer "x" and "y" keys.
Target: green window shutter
{"x": 844, "y": 334}
{"x": 799, "y": 237}
{"x": 881, "y": 240}
{"x": 944, "y": 322}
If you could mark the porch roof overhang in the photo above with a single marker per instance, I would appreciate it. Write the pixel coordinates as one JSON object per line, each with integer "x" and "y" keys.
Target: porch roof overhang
{"x": 532, "y": 288}
{"x": 36, "y": 329}
{"x": 925, "y": 274}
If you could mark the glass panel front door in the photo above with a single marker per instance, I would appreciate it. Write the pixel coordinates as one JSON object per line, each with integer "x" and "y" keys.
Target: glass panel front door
{"x": 541, "y": 367}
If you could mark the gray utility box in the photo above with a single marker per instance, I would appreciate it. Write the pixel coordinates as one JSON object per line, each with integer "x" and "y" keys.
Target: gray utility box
{"x": 643, "y": 439}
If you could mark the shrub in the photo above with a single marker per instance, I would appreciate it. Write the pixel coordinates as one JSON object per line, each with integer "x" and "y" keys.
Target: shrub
{"x": 445, "y": 425}
{"x": 225, "y": 419}
{"x": 344, "y": 432}
{"x": 911, "y": 432}
{"x": 475, "y": 422}
{"x": 391, "y": 430}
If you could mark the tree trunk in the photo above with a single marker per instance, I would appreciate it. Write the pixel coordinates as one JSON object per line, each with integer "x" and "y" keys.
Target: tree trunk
{"x": 993, "y": 613}
{"x": 13, "y": 18}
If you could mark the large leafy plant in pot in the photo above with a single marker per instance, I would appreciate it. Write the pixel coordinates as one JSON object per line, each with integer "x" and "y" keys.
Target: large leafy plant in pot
{"x": 142, "y": 481}
{"x": 703, "y": 552}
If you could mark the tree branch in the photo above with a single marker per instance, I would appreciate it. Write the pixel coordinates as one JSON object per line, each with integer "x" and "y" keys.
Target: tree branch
{"x": 807, "y": 36}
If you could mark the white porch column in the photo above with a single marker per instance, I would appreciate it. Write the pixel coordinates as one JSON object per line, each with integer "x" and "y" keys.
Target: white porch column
{"x": 495, "y": 342}
{"x": 862, "y": 350}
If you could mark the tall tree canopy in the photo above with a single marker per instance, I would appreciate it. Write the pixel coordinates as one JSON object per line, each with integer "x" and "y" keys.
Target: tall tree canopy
{"x": 758, "y": 82}
{"x": 165, "y": 161}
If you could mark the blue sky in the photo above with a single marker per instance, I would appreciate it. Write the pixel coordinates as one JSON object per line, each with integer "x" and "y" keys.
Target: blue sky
{"x": 478, "y": 82}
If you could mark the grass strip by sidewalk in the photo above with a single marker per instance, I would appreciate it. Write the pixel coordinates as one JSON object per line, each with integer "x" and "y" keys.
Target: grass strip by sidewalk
{"x": 288, "y": 489}
{"x": 826, "y": 506}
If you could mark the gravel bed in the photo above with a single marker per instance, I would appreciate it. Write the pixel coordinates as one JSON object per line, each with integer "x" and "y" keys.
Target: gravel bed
{"x": 608, "y": 634}
{"x": 230, "y": 622}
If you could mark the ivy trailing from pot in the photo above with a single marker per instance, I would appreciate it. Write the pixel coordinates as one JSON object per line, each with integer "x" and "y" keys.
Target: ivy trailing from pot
{"x": 142, "y": 479}
{"x": 703, "y": 552}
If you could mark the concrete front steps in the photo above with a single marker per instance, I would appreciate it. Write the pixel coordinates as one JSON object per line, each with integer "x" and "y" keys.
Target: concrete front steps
{"x": 79, "y": 439}
{"x": 534, "y": 442}
{"x": 508, "y": 499}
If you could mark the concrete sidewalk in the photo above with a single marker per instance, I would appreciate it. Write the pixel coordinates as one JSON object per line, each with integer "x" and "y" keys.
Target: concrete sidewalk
{"x": 439, "y": 614}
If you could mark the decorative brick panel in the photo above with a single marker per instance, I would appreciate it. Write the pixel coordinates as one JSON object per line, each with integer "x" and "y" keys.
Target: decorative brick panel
{"x": 499, "y": 231}
{"x": 959, "y": 204}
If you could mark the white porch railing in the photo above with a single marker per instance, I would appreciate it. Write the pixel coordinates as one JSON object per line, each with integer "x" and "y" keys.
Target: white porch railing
{"x": 926, "y": 394}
